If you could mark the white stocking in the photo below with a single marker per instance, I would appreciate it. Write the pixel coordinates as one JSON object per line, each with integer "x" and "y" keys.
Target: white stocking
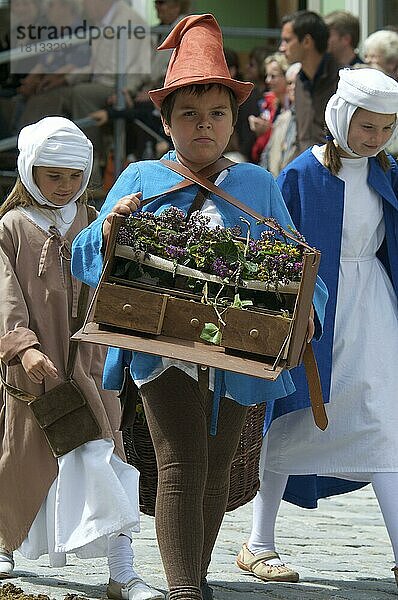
{"x": 120, "y": 558}
{"x": 385, "y": 486}
{"x": 265, "y": 508}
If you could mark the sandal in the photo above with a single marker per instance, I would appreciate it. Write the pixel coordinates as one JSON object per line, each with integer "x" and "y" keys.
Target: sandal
{"x": 135, "y": 589}
{"x": 256, "y": 564}
{"x": 6, "y": 564}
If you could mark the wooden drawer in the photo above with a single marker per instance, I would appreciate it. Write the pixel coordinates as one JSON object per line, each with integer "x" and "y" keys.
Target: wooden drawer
{"x": 130, "y": 308}
{"x": 258, "y": 333}
{"x": 185, "y": 319}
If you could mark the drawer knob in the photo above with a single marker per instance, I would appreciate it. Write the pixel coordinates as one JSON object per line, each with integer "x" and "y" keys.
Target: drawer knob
{"x": 253, "y": 333}
{"x": 194, "y": 323}
{"x": 127, "y": 308}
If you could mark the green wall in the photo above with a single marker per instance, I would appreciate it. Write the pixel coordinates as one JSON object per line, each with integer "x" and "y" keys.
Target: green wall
{"x": 252, "y": 13}
{"x": 329, "y": 6}
{"x": 234, "y": 13}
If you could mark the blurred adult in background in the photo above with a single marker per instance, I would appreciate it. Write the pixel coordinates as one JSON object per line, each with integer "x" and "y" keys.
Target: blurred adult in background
{"x": 138, "y": 141}
{"x": 233, "y": 63}
{"x": 243, "y": 137}
{"x": 87, "y": 88}
{"x": 23, "y": 13}
{"x": 282, "y": 145}
{"x": 255, "y": 68}
{"x": 140, "y": 144}
{"x": 169, "y": 13}
{"x": 50, "y": 67}
{"x": 344, "y": 34}
{"x": 305, "y": 39}
{"x": 253, "y": 71}
{"x": 381, "y": 51}
{"x": 274, "y": 102}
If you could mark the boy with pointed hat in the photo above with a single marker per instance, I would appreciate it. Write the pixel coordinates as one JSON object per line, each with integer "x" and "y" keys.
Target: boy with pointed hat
{"x": 198, "y": 104}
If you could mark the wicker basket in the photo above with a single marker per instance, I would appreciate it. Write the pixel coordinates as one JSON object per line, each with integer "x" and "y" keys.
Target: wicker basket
{"x": 244, "y": 481}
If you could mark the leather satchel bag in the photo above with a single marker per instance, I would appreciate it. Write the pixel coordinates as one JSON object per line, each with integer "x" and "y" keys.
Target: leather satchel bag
{"x": 63, "y": 413}
{"x": 65, "y": 417}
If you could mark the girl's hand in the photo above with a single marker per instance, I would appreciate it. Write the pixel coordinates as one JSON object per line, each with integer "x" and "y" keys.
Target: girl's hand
{"x": 125, "y": 206}
{"x": 37, "y": 365}
{"x": 311, "y": 325}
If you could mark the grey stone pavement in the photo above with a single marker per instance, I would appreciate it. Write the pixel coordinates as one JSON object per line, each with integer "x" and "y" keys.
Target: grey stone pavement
{"x": 341, "y": 551}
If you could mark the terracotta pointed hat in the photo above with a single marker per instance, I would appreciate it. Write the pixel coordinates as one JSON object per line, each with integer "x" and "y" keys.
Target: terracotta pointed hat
{"x": 198, "y": 57}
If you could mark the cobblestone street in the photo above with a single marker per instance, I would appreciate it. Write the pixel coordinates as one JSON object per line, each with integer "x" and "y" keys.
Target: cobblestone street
{"x": 341, "y": 551}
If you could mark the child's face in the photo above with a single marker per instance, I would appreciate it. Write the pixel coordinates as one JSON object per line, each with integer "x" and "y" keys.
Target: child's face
{"x": 369, "y": 131}
{"x": 58, "y": 184}
{"x": 200, "y": 127}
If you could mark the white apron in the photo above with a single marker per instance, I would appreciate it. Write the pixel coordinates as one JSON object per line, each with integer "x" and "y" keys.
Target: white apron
{"x": 94, "y": 496}
{"x": 362, "y": 436}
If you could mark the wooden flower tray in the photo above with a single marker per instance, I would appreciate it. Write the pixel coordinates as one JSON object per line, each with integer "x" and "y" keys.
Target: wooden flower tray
{"x": 167, "y": 321}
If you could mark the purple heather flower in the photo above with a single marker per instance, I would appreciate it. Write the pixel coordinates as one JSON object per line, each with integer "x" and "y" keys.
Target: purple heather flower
{"x": 253, "y": 246}
{"x": 236, "y": 231}
{"x": 172, "y": 218}
{"x": 175, "y": 251}
{"x": 220, "y": 268}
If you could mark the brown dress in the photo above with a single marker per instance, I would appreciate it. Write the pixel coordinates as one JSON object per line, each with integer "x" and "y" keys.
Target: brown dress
{"x": 38, "y": 307}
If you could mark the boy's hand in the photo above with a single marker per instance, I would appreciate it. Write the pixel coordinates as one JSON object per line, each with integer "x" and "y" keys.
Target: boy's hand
{"x": 37, "y": 365}
{"x": 125, "y": 206}
{"x": 311, "y": 325}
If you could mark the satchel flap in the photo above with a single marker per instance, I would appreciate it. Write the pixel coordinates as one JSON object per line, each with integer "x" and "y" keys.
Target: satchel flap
{"x": 56, "y": 403}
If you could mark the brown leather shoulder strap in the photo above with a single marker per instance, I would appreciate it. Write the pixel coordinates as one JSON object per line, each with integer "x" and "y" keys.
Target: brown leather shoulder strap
{"x": 314, "y": 388}
{"x": 12, "y": 390}
{"x": 201, "y": 196}
{"x": 216, "y": 167}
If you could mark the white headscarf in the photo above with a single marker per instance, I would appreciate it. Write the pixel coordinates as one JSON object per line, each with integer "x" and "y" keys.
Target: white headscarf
{"x": 360, "y": 88}
{"x": 53, "y": 142}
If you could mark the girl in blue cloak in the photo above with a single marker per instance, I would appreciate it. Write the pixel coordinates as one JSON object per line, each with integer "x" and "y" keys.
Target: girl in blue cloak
{"x": 343, "y": 197}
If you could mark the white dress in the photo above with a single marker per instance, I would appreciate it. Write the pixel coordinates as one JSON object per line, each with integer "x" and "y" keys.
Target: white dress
{"x": 363, "y": 411}
{"x": 94, "y": 496}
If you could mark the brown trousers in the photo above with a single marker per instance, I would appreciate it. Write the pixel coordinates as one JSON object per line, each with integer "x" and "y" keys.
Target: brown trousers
{"x": 193, "y": 470}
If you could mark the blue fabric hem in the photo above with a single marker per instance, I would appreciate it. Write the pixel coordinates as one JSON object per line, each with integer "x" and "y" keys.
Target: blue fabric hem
{"x": 306, "y": 490}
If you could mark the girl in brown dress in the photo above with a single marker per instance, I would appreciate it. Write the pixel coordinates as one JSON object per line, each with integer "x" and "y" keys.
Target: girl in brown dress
{"x": 84, "y": 502}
